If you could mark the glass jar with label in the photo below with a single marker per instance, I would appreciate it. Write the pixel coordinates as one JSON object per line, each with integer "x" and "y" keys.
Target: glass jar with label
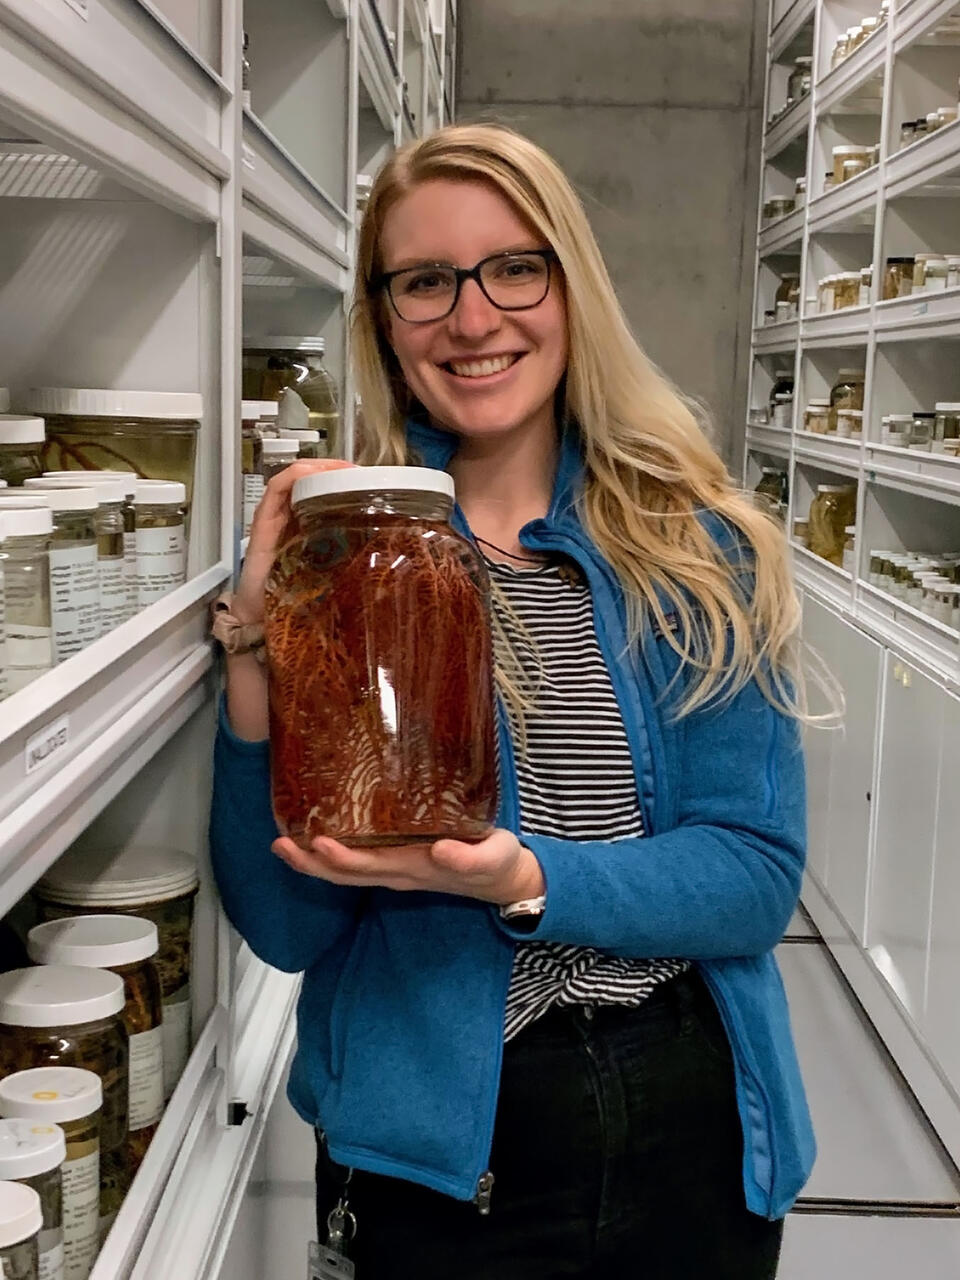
{"x": 21, "y": 445}
{"x": 70, "y": 1099}
{"x": 921, "y": 432}
{"x": 771, "y": 489}
{"x": 866, "y": 285}
{"x": 849, "y": 549}
{"x": 129, "y": 482}
{"x": 25, "y": 534}
{"x": 60, "y": 1015}
{"x": 841, "y": 155}
{"x": 920, "y": 261}
{"x": 854, "y": 166}
{"x": 847, "y": 290}
{"x": 798, "y": 85}
{"x": 831, "y": 511}
{"x": 850, "y": 423}
{"x": 74, "y": 569}
{"x": 21, "y": 1219}
{"x": 846, "y": 393}
{"x": 898, "y": 278}
{"x": 782, "y": 387}
{"x": 311, "y": 445}
{"x": 783, "y": 410}
{"x": 816, "y": 417}
{"x": 33, "y": 1153}
{"x": 291, "y": 371}
{"x": 127, "y": 946}
{"x": 160, "y": 539}
{"x": 946, "y": 425}
{"x": 156, "y": 883}
{"x": 369, "y": 533}
{"x": 151, "y": 433}
{"x": 258, "y": 422}
{"x": 277, "y": 456}
{"x": 895, "y": 429}
{"x": 841, "y": 51}
{"x": 936, "y": 274}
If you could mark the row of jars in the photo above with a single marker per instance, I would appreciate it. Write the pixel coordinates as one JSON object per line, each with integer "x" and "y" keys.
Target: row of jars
{"x": 850, "y": 159}
{"x": 266, "y": 450}
{"x": 781, "y": 206}
{"x": 799, "y": 84}
{"x": 93, "y": 1038}
{"x": 851, "y": 40}
{"x": 844, "y": 289}
{"x": 79, "y": 559}
{"x": 920, "y": 273}
{"x": 841, "y": 412}
{"x": 924, "y": 432}
{"x": 928, "y": 582}
{"x": 786, "y": 303}
{"x": 912, "y": 130}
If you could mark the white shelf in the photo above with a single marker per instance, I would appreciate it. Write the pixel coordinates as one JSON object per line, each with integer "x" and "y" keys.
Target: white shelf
{"x": 906, "y": 628}
{"x": 931, "y": 475}
{"x": 843, "y": 88}
{"x": 830, "y": 449}
{"x": 772, "y": 339}
{"x": 919, "y": 316}
{"x": 769, "y": 439}
{"x": 788, "y": 27}
{"x": 928, "y": 167}
{"x": 782, "y": 235}
{"x": 830, "y": 581}
{"x": 849, "y": 207}
{"x": 914, "y": 18}
{"x": 837, "y": 328}
{"x": 378, "y": 68}
{"x": 788, "y": 128}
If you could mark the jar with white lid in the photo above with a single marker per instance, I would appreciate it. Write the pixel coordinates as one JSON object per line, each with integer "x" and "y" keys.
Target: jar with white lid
{"x": 946, "y": 425}
{"x": 151, "y": 433}
{"x": 831, "y": 511}
{"x": 129, "y": 482}
{"x": 33, "y": 1154}
{"x": 160, "y": 538}
{"x": 850, "y": 423}
{"x": 920, "y": 261}
{"x": 827, "y": 294}
{"x": 369, "y": 534}
{"x": 783, "y": 410}
{"x": 816, "y": 417}
{"x": 936, "y": 274}
{"x": 25, "y": 534}
{"x": 846, "y": 393}
{"x": 921, "y": 432}
{"x": 74, "y": 568}
{"x": 953, "y": 272}
{"x": 126, "y": 945}
{"x": 895, "y": 429}
{"x": 849, "y": 151}
{"x": 21, "y": 1219}
{"x": 155, "y": 883}
{"x": 312, "y": 444}
{"x": 70, "y": 1099}
{"x": 258, "y": 421}
{"x": 21, "y": 447}
{"x": 276, "y": 456}
{"x": 65, "y": 1015}
{"x": 849, "y": 549}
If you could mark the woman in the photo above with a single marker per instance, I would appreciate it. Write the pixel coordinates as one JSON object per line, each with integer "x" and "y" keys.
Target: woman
{"x": 565, "y": 1050}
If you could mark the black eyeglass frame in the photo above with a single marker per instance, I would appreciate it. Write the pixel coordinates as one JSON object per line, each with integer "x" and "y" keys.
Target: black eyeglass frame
{"x": 385, "y": 280}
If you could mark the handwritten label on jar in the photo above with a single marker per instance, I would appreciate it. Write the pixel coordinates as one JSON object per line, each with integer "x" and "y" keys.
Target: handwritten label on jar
{"x": 81, "y": 1209}
{"x": 161, "y": 562}
{"x": 113, "y": 593}
{"x": 74, "y": 598}
{"x": 176, "y": 1037}
{"x": 146, "y": 1078}
{"x": 43, "y": 746}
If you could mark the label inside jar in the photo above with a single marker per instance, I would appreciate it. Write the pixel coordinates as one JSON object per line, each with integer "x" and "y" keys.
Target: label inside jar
{"x": 176, "y": 1037}
{"x": 113, "y": 593}
{"x": 74, "y": 598}
{"x": 81, "y": 1209}
{"x": 146, "y": 1078}
{"x": 161, "y": 562}
{"x": 130, "y": 571}
{"x": 253, "y": 487}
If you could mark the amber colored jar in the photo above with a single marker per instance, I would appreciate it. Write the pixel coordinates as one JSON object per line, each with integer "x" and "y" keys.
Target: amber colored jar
{"x": 382, "y": 727}
{"x": 846, "y": 393}
{"x": 831, "y": 513}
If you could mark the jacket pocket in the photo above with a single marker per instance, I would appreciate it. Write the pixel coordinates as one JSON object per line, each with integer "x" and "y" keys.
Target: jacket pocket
{"x": 344, "y": 997}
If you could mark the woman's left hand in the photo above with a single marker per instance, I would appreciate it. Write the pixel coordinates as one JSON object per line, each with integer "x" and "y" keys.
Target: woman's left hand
{"x": 498, "y": 869}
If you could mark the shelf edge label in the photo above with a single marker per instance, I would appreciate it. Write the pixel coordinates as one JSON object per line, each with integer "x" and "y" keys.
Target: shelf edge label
{"x": 46, "y": 744}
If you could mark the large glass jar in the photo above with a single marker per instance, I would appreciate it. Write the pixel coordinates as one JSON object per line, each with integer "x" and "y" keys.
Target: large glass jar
{"x": 25, "y": 535}
{"x": 21, "y": 1218}
{"x": 947, "y": 426}
{"x": 60, "y": 1015}
{"x": 151, "y": 433}
{"x": 71, "y": 1100}
{"x": 847, "y": 290}
{"x": 291, "y": 371}
{"x": 842, "y": 154}
{"x": 155, "y": 883}
{"x": 127, "y": 946}
{"x": 380, "y": 665}
{"x": 33, "y": 1154}
{"x": 783, "y": 387}
{"x": 898, "y": 278}
{"x": 800, "y": 78}
{"x": 771, "y": 489}
{"x": 831, "y": 511}
{"x": 161, "y": 539}
{"x": 816, "y": 417}
{"x": 846, "y": 393}
{"x": 21, "y": 444}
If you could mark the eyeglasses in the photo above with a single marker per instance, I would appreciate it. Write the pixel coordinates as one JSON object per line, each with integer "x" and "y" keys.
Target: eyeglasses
{"x": 511, "y": 281}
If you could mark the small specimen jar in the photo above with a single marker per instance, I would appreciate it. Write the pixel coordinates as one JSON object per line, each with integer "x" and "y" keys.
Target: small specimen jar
{"x": 898, "y": 278}
{"x": 258, "y": 421}
{"x": 816, "y": 417}
{"x": 129, "y": 482}
{"x": 845, "y": 153}
{"x": 25, "y": 535}
{"x": 21, "y": 445}
{"x": 33, "y": 1153}
{"x": 921, "y": 432}
{"x": 160, "y": 538}
{"x": 276, "y": 456}
{"x": 21, "y": 1219}
{"x": 849, "y": 423}
{"x": 59, "y": 1015}
{"x": 947, "y": 426}
{"x": 380, "y": 665}
{"x": 70, "y": 1099}
{"x": 291, "y": 371}
{"x": 156, "y": 883}
{"x": 127, "y": 946}
{"x": 846, "y": 393}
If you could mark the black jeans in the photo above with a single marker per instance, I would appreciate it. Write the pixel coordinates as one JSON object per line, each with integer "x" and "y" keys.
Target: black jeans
{"x": 617, "y": 1153}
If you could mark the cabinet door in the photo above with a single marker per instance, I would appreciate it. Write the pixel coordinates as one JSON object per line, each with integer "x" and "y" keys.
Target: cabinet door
{"x": 901, "y": 878}
{"x": 818, "y": 633}
{"x": 857, "y": 662}
{"x": 941, "y": 1020}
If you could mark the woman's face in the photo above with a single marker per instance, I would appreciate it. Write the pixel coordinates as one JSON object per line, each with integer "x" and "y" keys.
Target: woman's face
{"x": 459, "y": 223}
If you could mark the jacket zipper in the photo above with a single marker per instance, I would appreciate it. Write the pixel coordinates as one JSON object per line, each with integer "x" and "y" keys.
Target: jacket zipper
{"x": 484, "y": 1192}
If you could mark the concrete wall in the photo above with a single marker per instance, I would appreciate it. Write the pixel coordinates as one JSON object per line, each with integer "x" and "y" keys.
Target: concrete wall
{"x": 653, "y": 108}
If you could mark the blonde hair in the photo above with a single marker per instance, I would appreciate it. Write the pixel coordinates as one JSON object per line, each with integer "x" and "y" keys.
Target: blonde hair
{"x": 649, "y": 470}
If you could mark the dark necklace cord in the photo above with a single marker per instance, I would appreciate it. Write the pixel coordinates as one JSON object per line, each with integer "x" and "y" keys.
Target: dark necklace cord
{"x": 493, "y": 547}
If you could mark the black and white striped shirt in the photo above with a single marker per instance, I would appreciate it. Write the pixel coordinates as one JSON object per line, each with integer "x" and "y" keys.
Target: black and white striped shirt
{"x": 575, "y": 781}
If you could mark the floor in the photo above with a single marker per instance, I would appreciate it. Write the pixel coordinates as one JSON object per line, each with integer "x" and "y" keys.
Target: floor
{"x": 877, "y": 1155}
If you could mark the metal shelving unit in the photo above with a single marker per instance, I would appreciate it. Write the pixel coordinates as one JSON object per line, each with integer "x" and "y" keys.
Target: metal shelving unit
{"x": 148, "y": 221}
{"x": 910, "y": 351}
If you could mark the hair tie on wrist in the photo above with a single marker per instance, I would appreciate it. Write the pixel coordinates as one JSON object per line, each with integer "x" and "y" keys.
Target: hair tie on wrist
{"x": 235, "y": 636}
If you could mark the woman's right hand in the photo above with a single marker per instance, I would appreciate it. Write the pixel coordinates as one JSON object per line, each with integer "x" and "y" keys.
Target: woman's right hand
{"x": 270, "y": 530}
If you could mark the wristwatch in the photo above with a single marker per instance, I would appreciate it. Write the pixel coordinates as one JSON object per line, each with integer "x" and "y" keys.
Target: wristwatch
{"x": 526, "y": 913}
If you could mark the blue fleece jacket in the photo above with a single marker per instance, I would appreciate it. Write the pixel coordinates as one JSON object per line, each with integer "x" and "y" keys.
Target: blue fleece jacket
{"x": 400, "y": 1020}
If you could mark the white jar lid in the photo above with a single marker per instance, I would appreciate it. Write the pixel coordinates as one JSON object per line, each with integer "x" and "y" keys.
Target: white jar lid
{"x": 93, "y": 941}
{"x": 250, "y": 410}
{"x": 58, "y": 995}
{"x": 361, "y": 479}
{"x": 947, "y": 406}
{"x": 25, "y": 522}
{"x": 851, "y": 149}
{"x": 850, "y": 413}
{"x": 114, "y": 877}
{"x": 4, "y": 399}
{"x": 96, "y": 402}
{"x": 897, "y": 417}
{"x": 20, "y": 1214}
{"x": 160, "y": 493}
{"x": 66, "y": 497}
{"x": 56, "y": 1094}
{"x": 309, "y": 346}
{"x": 852, "y": 373}
{"x": 20, "y": 428}
{"x": 302, "y": 435}
{"x": 834, "y": 488}
{"x": 106, "y": 490}
{"x": 129, "y": 479}
{"x": 275, "y": 446}
{"x": 21, "y": 497}
{"x": 28, "y": 1148}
